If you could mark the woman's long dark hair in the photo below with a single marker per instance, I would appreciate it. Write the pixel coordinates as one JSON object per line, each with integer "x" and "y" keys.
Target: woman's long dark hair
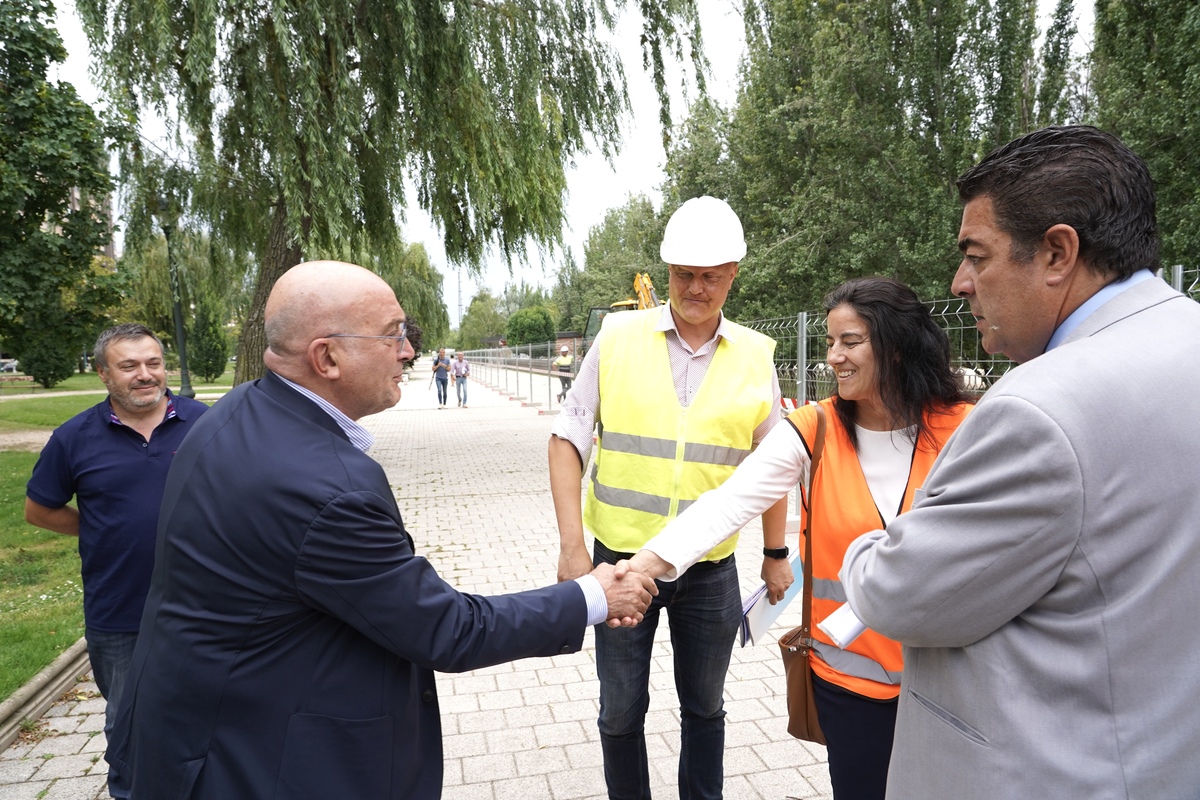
{"x": 912, "y": 355}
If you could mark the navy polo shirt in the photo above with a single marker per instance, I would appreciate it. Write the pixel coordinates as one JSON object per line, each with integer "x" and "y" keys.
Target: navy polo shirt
{"x": 117, "y": 478}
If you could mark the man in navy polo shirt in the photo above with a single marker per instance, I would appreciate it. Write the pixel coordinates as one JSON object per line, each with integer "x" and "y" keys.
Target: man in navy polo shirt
{"x": 113, "y": 459}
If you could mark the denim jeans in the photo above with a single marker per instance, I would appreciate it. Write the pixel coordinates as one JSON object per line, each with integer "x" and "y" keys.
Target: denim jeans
{"x": 443, "y": 389}
{"x": 704, "y": 609}
{"x": 110, "y": 655}
{"x": 460, "y": 387}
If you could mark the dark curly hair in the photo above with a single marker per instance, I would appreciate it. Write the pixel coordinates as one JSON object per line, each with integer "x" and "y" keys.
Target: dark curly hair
{"x": 912, "y": 355}
{"x": 413, "y": 332}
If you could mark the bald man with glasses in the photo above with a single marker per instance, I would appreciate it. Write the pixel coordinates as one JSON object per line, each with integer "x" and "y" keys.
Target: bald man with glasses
{"x": 291, "y": 634}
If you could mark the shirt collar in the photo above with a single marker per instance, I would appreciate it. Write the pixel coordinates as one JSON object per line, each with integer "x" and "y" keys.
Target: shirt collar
{"x": 172, "y": 413}
{"x": 666, "y": 322}
{"x": 1092, "y": 304}
{"x": 359, "y": 436}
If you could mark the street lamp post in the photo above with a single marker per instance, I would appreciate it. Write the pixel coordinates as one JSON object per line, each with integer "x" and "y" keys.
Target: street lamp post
{"x": 185, "y": 384}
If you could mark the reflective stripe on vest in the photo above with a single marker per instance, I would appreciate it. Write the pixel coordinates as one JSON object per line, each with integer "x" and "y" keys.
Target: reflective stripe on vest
{"x": 844, "y": 509}
{"x": 665, "y": 448}
{"x": 654, "y": 458}
{"x": 853, "y": 664}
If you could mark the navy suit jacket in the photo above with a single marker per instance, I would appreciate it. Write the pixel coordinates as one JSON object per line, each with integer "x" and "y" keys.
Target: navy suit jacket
{"x": 289, "y": 640}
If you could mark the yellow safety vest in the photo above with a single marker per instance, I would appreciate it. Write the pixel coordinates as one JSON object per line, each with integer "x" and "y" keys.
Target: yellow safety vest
{"x": 654, "y": 457}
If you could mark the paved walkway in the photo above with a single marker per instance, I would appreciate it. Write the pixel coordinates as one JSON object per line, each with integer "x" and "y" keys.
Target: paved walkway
{"x": 472, "y": 485}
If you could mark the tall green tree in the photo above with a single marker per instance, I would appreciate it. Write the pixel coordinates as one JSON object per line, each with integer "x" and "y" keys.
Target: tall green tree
{"x": 623, "y": 245}
{"x": 208, "y": 349}
{"x": 853, "y": 121}
{"x": 1147, "y": 82}
{"x": 568, "y": 295}
{"x": 304, "y": 118}
{"x": 533, "y": 325}
{"x": 55, "y": 296}
{"x": 480, "y": 321}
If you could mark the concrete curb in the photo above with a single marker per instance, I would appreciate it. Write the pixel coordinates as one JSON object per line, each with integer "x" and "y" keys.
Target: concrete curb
{"x": 33, "y": 699}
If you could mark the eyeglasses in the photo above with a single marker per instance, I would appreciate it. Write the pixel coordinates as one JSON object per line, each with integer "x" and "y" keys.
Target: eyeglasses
{"x": 397, "y": 340}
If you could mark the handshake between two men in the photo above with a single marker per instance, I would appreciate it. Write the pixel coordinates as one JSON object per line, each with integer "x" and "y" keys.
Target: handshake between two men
{"x": 629, "y": 587}
{"x": 628, "y": 592}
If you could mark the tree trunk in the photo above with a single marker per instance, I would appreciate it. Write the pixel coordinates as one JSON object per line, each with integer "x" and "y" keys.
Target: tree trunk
{"x": 280, "y": 256}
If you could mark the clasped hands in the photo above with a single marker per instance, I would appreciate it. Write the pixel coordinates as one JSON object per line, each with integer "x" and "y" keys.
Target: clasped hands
{"x": 628, "y": 592}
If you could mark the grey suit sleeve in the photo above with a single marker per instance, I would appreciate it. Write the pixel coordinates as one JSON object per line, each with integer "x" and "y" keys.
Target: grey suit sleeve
{"x": 1000, "y": 515}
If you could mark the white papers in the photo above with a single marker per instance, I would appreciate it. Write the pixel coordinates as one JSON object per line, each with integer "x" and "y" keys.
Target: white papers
{"x": 758, "y": 615}
{"x": 842, "y": 626}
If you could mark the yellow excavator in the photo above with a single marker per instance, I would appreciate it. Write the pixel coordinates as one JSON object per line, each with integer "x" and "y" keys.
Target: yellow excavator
{"x": 644, "y": 297}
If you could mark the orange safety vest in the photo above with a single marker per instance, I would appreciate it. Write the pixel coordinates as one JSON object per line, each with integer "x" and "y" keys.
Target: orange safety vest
{"x": 844, "y": 510}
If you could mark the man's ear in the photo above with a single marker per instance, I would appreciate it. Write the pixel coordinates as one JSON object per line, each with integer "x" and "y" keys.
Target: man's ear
{"x": 1059, "y": 251}
{"x": 323, "y": 360}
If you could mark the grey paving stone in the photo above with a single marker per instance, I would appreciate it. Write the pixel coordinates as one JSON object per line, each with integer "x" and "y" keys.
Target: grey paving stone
{"x": 16, "y": 771}
{"x": 525, "y": 729}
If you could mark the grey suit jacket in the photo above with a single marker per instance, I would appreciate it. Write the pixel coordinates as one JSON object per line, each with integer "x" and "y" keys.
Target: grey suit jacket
{"x": 1047, "y": 585}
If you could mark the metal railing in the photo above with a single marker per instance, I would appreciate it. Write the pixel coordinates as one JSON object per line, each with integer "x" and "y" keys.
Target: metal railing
{"x": 528, "y": 371}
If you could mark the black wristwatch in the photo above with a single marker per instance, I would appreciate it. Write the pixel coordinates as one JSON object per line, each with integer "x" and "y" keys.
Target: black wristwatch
{"x": 775, "y": 552}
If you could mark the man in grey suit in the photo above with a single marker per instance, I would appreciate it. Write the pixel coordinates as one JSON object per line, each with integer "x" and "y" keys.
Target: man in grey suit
{"x": 1046, "y": 586}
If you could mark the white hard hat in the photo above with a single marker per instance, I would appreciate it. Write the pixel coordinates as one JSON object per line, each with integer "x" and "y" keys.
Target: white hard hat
{"x": 703, "y": 232}
{"x": 564, "y": 348}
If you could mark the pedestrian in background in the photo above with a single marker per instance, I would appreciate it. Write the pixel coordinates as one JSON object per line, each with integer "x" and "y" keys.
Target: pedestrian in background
{"x": 460, "y": 369}
{"x": 564, "y": 364}
{"x": 441, "y": 376}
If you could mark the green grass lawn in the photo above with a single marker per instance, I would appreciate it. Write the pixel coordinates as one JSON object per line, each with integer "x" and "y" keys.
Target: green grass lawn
{"x": 41, "y": 597}
{"x": 42, "y": 413}
{"x": 91, "y": 382}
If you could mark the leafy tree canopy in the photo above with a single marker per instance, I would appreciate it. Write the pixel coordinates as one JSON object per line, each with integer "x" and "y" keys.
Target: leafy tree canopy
{"x": 481, "y": 320}
{"x": 852, "y": 123}
{"x": 1147, "y": 80}
{"x": 305, "y": 118}
{"x": 55, "y": 295}
{"x": 530, "y": 326}
{"x": 623, "y": 245}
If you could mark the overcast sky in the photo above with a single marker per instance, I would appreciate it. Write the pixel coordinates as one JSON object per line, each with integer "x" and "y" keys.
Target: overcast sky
{"x": 594, "y": 186}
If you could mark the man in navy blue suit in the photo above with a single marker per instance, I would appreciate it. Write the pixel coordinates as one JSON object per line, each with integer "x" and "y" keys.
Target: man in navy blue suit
{"x": 289, "y": 640}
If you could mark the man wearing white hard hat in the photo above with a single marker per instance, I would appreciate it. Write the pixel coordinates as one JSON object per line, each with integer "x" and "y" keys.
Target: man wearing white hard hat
{"x": 680, "y": 396}
{"x": 563, "y": 364}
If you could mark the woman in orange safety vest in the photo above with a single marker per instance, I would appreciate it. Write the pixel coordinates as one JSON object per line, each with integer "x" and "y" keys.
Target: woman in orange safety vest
{"x": 897, "y": 402}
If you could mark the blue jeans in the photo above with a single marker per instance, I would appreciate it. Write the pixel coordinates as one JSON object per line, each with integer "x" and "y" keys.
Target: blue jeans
{"x": 705, "y": 610}
{"x": 460, "y": 386}
{"x": 443, "y": 389}
{"x": 110, "y": 655}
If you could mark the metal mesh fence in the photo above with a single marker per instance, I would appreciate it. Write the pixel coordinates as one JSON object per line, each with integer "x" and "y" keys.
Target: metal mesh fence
{"x": 800, "y": 346}
{"x": 1190, "y": 284}
{"x": 815, "y": 380}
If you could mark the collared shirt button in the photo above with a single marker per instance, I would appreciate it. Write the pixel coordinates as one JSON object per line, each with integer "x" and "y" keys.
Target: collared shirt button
{"x": 427, "y": 696}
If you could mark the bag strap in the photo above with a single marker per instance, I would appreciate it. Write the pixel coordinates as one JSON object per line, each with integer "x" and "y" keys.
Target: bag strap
{"x": 806, "y": 613}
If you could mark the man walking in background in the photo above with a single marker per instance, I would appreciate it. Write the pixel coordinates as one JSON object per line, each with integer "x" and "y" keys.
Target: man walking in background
{"x": 441, "y": 375}
{"x": 564, "y": 364}
{"x": 460, "y": 369}
{"x": 113, "y": 459}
